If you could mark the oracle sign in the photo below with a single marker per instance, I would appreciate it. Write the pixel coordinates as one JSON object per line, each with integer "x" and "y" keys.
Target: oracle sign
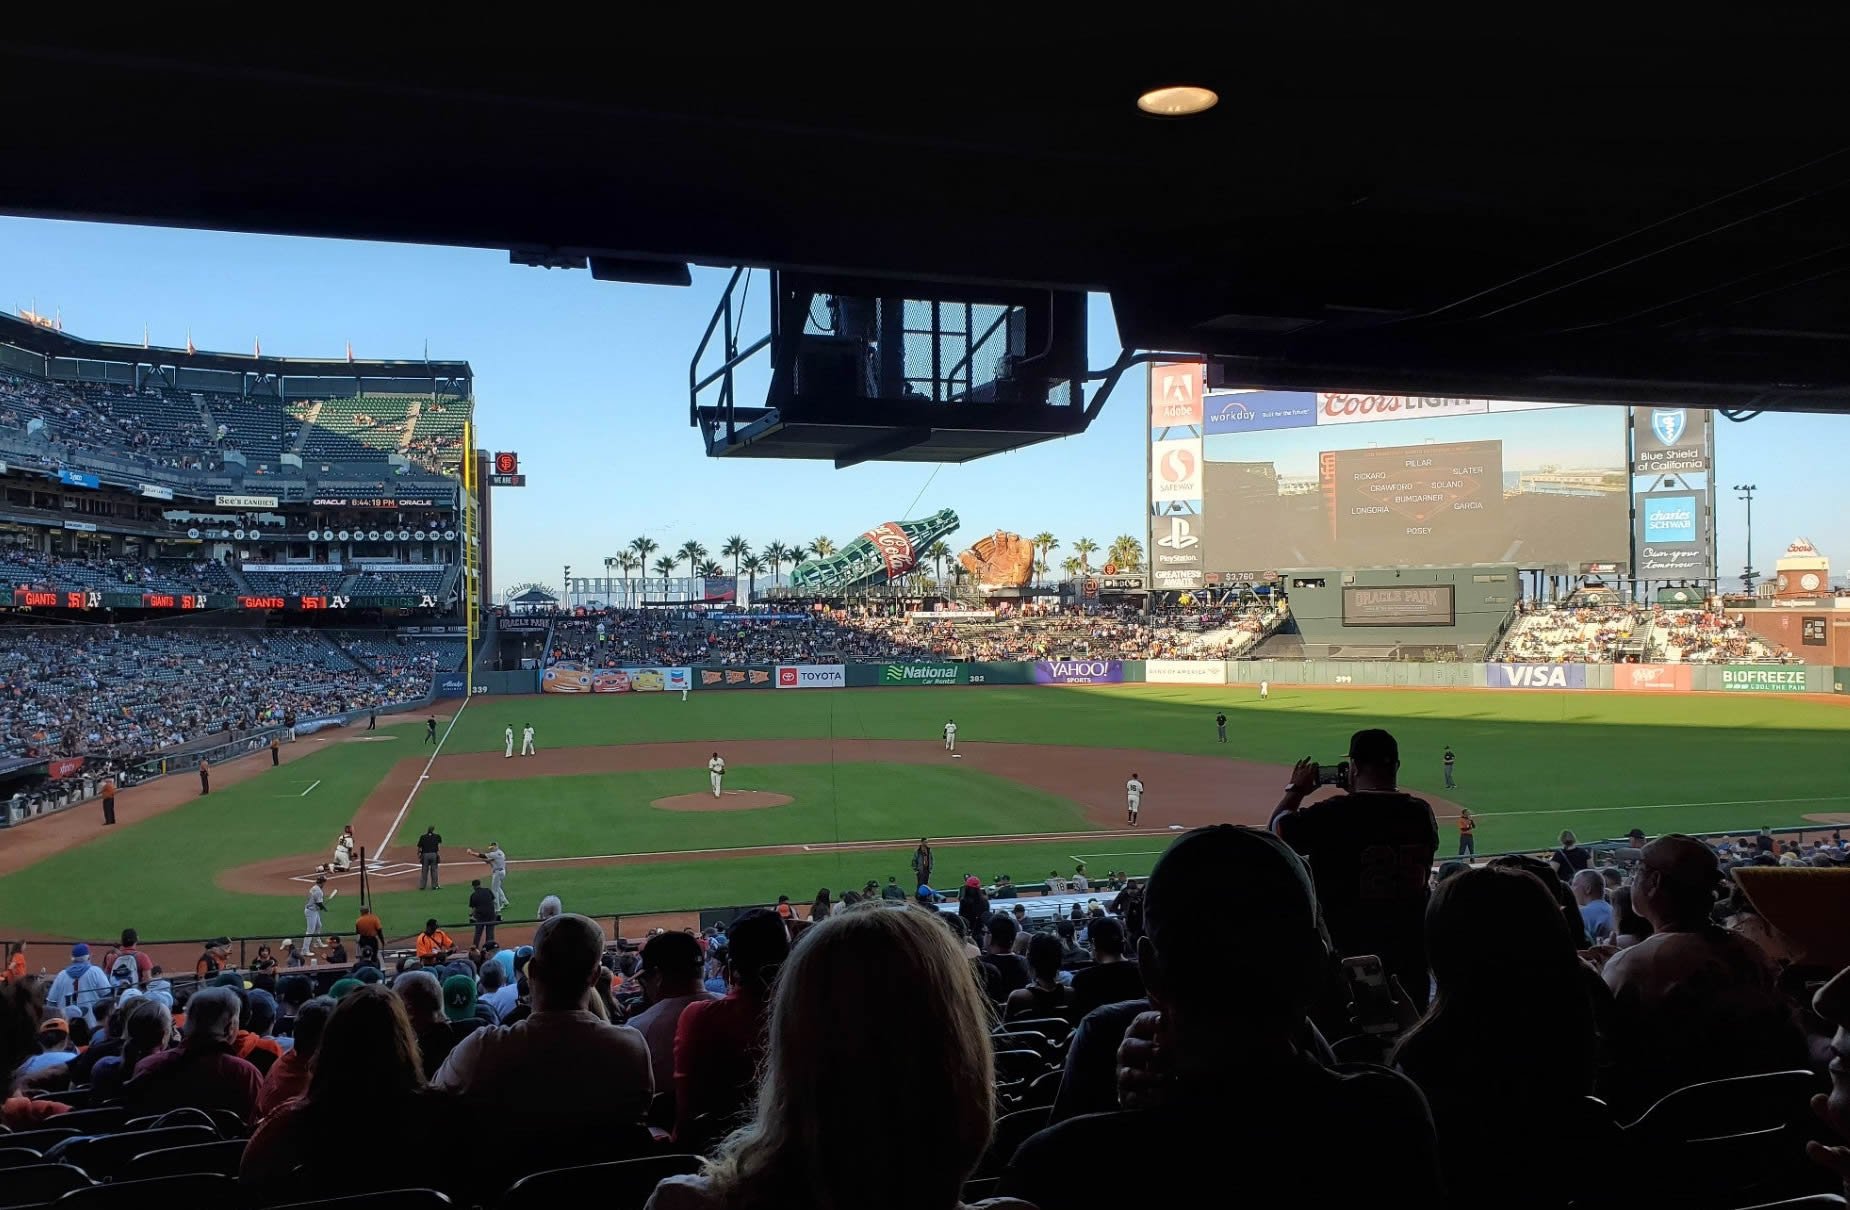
{"x": 1338, "y": 408}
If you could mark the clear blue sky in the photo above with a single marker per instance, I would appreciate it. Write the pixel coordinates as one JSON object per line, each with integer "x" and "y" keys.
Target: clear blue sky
{"x": 588, "y": 380}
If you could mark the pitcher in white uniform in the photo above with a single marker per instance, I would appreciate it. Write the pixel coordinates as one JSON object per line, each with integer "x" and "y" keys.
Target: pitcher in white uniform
{"x": 716, "y": 772}
{"x": 509, "y": 736}
{"x": 1133, "y": 800}
{"x": 950, "y": 736}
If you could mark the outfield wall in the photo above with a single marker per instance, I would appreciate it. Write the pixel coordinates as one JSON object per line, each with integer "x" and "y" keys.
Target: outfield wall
{"x": 1630, "y": 678}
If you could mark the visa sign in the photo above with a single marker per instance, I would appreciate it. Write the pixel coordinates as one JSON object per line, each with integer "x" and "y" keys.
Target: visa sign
{"x": 1535, "y": 676}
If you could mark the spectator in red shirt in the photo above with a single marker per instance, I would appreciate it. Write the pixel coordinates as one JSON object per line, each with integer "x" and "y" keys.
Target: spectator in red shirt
{"x": 288, "y": 1079}
{"x": 202, "y": 1071}
{"x": 717, "y": 1043}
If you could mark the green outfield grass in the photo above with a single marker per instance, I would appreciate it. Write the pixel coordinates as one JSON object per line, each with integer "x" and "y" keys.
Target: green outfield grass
{"x": 606, "y": 813}
{"x": 1530, "y": 764}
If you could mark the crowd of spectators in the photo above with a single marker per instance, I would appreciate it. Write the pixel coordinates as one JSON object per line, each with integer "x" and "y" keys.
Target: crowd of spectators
{"x": 118, "y": 693}
{"x": 632, "y": 638}
{"x": 1266, "y": 1000}
{"x": 149, "y": 426}
{"x": 1696, "y": 636}
{"x": 1604, "y": 634}
{"x": 23, "y": 568}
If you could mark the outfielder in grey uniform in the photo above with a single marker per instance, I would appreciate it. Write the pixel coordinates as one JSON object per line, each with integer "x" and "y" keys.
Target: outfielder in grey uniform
{"x": 497, "y": 866}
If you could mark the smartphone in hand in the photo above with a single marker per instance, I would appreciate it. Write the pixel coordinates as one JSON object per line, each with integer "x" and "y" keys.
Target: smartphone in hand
{"x": 1371, "y": 998}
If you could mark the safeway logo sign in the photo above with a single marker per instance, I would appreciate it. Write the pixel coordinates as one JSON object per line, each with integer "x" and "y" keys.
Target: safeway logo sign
{"x": 1536, "y": 676}
{"x": 1175, "y": 470}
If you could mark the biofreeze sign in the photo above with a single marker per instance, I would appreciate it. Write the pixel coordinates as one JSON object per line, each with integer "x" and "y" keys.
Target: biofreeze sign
{"x": 1763, "y": 678}
{"x": 1535, "y": 676}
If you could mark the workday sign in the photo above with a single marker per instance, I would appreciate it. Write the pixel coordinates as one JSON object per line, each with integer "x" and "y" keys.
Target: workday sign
{"x": 1535, "y": 676}
{"x": 1078, "y": 672}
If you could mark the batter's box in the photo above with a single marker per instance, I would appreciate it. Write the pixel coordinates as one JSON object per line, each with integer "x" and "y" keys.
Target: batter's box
{"x": 396, "y": 869}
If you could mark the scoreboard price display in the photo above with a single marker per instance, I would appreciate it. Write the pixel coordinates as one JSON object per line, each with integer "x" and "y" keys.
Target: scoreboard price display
{"x": 34, "y": 598}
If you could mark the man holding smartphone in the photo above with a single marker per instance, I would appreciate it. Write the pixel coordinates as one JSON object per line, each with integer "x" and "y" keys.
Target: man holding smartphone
{"x": 1371, "y": 850}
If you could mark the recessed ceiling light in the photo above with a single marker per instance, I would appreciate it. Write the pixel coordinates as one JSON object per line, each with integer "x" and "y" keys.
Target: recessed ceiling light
{"x": 1178, "y": 101}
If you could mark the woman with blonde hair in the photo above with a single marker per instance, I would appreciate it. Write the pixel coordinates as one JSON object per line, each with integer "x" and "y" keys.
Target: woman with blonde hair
{"x": 929, "y": 1040}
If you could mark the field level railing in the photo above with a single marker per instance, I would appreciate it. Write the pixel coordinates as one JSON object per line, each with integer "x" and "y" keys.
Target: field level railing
{"x": 461, "y": 932}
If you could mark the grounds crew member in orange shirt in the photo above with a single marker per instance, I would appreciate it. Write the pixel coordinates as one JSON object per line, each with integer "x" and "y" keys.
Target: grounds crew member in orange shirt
{"x": 434, "y": 945}
{"x": 276, "y": 752}
{"x": 205, "y": 780}
{"x": 370, "y": 934}
{"x": 109, "y": 799}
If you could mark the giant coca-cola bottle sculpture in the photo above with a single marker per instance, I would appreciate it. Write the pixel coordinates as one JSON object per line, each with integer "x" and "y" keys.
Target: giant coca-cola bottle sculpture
{"x": 883, "y": 553}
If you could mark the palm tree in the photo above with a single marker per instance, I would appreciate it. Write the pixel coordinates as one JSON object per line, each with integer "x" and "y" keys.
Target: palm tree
{"x": 822, "y": 546}
{"x": 1040, "y": 571}
{"x": 642, "y": 548}
{"x": 775, "y": 553}
{"x": 736, "y": 549}
{"x": 1085, "y": 548}
{"x": 712, "y": 570}
{"x": 627, "y": 562}
{"x": 1072, "y": 565}
{"x": 693, "y": 552}
{"x": 1126, "y": 551}
{"x": 751, "y": 565}
{"x": 665, "y": 567}
{"x": 938, "y": 552}
{"x": 1043, "y": 542}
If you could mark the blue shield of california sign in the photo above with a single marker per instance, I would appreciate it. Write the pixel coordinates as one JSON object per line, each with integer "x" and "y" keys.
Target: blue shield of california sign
{"x": 1667, "y": 424}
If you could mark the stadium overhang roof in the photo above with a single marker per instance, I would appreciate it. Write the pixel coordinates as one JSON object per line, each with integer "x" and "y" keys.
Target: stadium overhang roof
{"x": 52, "y": 342}
{"x": 1629, "y": 209}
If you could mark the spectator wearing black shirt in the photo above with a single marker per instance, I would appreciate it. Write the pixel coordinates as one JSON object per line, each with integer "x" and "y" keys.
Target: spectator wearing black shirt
{"x": 1045, "y": 996}
{"x": 1570, "y": 858}
{"x": 1006, "y": 970}
{"x": 1235, "y": 1087}
{"x": 1513, "y": 992}
{"x": 1110, "y": 978}
{"x": 1371, "y": 852}
{"x": 482, "y": 912}
{"x": 973, "y": 908}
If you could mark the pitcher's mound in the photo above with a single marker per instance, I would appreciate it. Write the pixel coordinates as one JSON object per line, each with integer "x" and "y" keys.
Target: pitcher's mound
{"x": 729, "y": 800}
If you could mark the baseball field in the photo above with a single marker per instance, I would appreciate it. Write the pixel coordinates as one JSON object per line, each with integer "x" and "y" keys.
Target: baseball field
{"x": 833, "y": 788}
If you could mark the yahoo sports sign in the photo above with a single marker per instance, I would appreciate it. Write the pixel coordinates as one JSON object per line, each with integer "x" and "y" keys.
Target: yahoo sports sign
{"x": 1535, "y": 676}
{"x": 1078, "y": 672}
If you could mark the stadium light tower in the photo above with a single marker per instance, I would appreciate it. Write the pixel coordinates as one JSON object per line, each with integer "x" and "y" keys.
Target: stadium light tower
{"x": 1748, "y": 574}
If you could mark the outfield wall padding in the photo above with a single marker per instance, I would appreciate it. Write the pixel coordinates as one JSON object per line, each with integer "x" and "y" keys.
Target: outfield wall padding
{"x": 1502, "y": 677}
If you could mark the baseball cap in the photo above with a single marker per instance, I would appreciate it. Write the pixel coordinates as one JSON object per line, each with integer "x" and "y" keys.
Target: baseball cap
{"x": 973, "y": 881}
{"x": 80, "y": 950}
{"x": 55, "y": 1025}
{"x": 924, "y": 891}
{"x": 343, "y": 986}
{"x": 459, "y": 997}
{"x": 1635, "y": 834}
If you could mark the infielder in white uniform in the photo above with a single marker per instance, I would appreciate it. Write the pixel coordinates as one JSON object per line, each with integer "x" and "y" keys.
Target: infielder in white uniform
{"x": 1265, "y": 687}
{"x": 509, "y": 734}
{"x": 311, "y": 911}
{"x": 497, "y": 866}
{"x": 716, "y": 772}
{"x": 526, "y": 740}
{"x": 950, "y": 736}
{"x": 1133, "y": 800}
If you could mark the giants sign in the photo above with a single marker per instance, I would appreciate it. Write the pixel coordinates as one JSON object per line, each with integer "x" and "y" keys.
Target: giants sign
{"x": 895, "y": 548}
